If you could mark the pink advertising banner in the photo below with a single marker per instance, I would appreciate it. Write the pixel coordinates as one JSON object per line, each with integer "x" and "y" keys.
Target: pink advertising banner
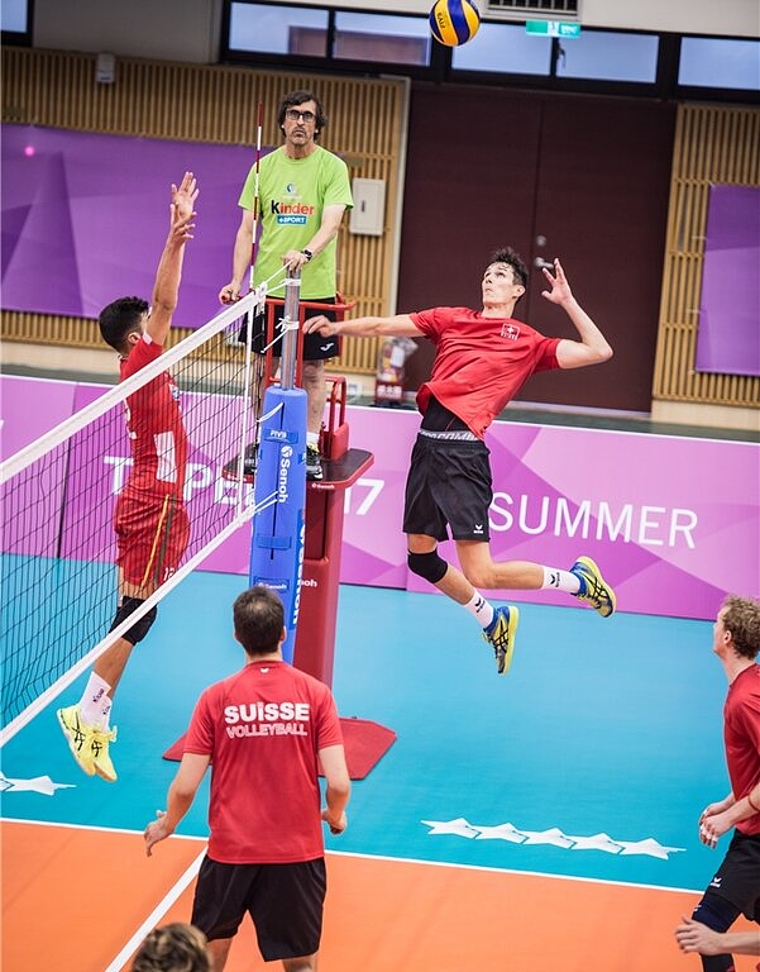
{"x": 671, "y": 530}
{"x": 672, "y": 521}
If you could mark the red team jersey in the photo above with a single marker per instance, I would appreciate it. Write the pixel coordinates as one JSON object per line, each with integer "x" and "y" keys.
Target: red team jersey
{"x": 150, "y": 520}
{"x": 741, "y": 734}
{"x": 263, "y": 728}
{"x": 481, "y": 362}
{"x": 154, "y": 422}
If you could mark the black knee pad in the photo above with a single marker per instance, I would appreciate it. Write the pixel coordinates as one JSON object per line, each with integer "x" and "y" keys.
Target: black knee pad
{"x": 430, "y": 565}
{"x": 719, "y": 914}
{"x": 140, "y": 628}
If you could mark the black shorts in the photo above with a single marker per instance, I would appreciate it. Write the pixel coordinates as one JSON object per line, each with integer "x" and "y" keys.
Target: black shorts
{"x": 449, "y": 482}
{"x": 315, "y": 347}
{"x": 738, "y": 877}
{"x": 285, "y": 901}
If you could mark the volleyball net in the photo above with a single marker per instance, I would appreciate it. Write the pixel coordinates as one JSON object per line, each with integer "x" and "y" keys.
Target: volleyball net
{"x": 57, "y": 540}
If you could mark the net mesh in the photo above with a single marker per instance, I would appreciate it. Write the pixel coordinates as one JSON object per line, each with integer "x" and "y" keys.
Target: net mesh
{"x": 57, "y": 540}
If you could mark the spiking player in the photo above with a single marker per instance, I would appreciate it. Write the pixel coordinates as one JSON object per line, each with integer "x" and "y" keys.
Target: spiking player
{"x": 150, "y": 520}
{"x": 482, "y": 359}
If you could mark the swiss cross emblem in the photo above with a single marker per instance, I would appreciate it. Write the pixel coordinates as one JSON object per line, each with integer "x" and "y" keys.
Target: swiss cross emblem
{"x": 510, "y": 331}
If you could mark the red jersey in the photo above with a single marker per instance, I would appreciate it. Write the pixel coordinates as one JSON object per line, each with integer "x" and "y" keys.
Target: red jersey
{"x": 263, "y": 728}
{"x": 154, "y": 423}
{"x": 741, "y": 733}
{"x": 481, "y": 362}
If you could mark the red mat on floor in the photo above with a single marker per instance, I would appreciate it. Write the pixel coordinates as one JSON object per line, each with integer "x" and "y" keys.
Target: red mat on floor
{"x": 366, "y": 743}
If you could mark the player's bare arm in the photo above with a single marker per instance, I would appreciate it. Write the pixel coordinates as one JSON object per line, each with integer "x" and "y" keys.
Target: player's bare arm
{"x": 169, "y": 273}
{"x": 241, "y": 259}
{"x": 333, "y": 760}
{"x": 398, "y": 325}
{"x": 182, "y": 792}
{"x": 592, "y": 348}
{"x": 331, "y": 217}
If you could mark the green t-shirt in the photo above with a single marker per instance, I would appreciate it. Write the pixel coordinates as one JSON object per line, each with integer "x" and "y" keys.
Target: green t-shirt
{"x": 292, "y": 196}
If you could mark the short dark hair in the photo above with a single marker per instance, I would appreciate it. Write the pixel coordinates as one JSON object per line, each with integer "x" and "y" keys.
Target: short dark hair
{"x": 259, "y": 618}
{"x": 174, "y": 948}
{"x": 120, "y": 318}
{"x": 741, "y": 617}
{"x": 296, "y": 98}
{"x": 507, "y": 255}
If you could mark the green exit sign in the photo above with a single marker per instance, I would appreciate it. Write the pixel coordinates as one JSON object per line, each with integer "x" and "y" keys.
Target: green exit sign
{"x": 552, "y": 28}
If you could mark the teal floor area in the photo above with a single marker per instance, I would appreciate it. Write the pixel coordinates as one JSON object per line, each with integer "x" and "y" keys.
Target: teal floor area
{"x": 603, "y": 727}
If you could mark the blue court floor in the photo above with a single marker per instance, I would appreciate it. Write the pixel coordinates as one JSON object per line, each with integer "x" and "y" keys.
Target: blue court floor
{"x": 593, "y": 758}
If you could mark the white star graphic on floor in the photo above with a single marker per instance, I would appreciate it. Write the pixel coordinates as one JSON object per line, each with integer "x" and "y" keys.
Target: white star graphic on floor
{"x": 553, "y": 836}
{"x": 37, "y": 784}
{"x": 507, "y": 832}
{"x": 504, "y": 831}
{"x": 650, "y": 847}
{"x": 458, "y": 827}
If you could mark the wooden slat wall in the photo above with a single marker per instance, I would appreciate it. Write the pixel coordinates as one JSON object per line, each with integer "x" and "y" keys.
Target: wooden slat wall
{"x": 218, "y": 104}
{"x": 713, "y": 145}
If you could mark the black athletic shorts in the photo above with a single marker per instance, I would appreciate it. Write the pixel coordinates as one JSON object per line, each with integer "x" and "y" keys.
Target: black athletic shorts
{"x": 315, "y": 347}
{"x": 449, "y": 482}
{"x": 285, "y": 901}
{"x": 738, "y": 877}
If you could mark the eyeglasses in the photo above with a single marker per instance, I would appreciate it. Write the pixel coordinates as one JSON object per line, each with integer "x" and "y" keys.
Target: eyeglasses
{"x": 294, "y": 115}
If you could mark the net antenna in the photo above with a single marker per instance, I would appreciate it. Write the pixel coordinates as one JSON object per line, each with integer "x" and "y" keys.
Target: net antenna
{"x": 57, "y": 544}
{"x": 256, "y": 205}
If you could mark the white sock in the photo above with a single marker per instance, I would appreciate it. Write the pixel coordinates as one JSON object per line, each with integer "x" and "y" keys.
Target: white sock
{"x": 560, "y": 580}
{"x": 480, "y": 608}
{"x": 312, "y": 438}
{"x": 93, "y": 701}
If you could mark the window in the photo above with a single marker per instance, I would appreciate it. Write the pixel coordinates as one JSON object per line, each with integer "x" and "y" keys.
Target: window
{"x": 709, "y": 62}
{"x": 504, "y": 48}
{"x": 271, "y": 29}
{"x": 16, "y": 21}
{"x": 382, "y": 38}
{"x": 606, "y": 56}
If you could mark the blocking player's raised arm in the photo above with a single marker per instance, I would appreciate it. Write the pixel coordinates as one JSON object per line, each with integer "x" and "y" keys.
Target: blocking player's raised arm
{"x": 169, "y": 273}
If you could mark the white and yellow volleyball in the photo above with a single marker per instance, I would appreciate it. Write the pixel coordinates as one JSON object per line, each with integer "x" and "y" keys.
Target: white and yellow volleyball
{"x": 454, "y": 22}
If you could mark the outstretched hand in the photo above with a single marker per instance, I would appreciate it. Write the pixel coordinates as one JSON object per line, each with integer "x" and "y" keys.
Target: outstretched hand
{"x": 560, "y": 292}
{"x": 182, "y": 207}
{"x": 693, "y": 936}
{"x": 321, "y": 325}
{"x": 155, "y": 832}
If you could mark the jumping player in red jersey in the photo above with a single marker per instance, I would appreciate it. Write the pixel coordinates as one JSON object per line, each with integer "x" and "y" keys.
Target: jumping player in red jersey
{"x": 482, "y": 359}
{"x": 151, "y": 523}
{"x": 266, "y": 730}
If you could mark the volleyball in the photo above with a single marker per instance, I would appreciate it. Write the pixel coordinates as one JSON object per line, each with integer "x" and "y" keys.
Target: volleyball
{"x": 454, "y": 22}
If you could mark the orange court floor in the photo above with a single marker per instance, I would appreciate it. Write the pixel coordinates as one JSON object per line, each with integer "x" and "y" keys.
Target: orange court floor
{"x": 382, "y": 915}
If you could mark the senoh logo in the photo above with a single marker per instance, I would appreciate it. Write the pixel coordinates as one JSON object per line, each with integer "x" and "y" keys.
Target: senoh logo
{"x": 299, "y": 571}
{"x": 286, "y": 457}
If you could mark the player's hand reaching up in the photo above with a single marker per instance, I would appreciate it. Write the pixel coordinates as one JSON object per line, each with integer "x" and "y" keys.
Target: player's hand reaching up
{"x": 560, "y": 292}
{"x": 183, "y": 208}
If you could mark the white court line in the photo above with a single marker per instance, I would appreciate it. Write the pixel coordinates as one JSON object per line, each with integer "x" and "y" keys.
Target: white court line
{"x": 156, "y": 915}
{"x": 400, "y": 860}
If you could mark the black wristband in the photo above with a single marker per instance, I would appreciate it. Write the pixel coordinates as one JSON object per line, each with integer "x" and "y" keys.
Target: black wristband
{"x": 307, "y": 253}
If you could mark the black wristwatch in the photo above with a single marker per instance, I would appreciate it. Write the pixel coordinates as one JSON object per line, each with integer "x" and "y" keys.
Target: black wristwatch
{"x": 307, "y": 253}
